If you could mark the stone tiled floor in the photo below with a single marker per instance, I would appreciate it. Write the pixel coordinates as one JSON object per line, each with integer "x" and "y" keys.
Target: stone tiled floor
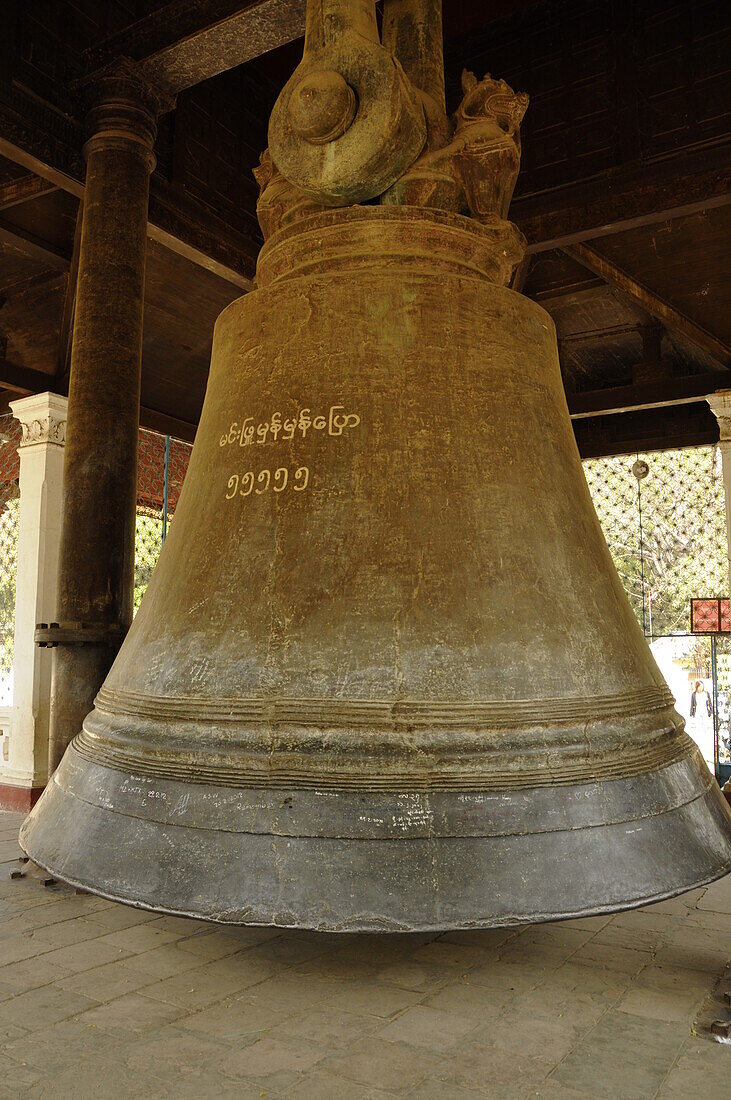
{"x": 99, "y": 1000}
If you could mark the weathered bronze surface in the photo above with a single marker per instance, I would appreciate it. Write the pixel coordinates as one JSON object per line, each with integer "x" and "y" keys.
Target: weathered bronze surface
{"x": 385, "y": 675}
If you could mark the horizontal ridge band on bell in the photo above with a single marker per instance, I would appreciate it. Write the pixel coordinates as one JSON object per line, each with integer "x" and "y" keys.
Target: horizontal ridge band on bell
{"x": 486, "y": 714}
{"x": 323, "y": 767}
{"x": 288, "y": 811}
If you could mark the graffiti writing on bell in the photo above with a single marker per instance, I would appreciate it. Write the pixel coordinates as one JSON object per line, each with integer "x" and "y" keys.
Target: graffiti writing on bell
{"x": 335, "y": 423}
{"x": 277, "y": 481}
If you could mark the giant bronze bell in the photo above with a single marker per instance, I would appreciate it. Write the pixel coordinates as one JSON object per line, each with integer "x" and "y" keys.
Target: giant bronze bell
{"x": 385, "y": 676}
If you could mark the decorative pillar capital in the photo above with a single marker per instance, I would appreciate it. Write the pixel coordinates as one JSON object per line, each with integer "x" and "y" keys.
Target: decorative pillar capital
{"x": 42, "y": 419}
{"x": 122, "y": 109}
{"x": 720, "y": 405}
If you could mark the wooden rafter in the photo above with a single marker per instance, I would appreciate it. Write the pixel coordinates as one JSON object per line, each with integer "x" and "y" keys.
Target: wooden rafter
{"x": 33, "y": 247}
{"x": 646, "y": 395}
{"x": 627, "y": 198}
{"x": 24, "y": 380}
{"x": 18, "y": 191}
{"x": 189, "y": 41}
{"x": 652, "y": 303}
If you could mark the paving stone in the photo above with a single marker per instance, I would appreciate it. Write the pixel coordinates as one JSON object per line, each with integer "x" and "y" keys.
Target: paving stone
{"x": 138, "y": 938}
{"x": 544, "y": 956}
{"x": 207, "y": 984}
{"x": 643, "y": 920}
{"x": 583, "y": 978}
{"x": 609, "y": 956}
{"x": 489, "y": 939}
{"x": 85, "y": 956}
{"x": 672, "y": 1005}
{"x": 375, "y": 1063}
{"x": 700, "y": 1071}
{"x": 55, "y": 1048}
{"x": 131, "y": 1013}
{"x": 554, "y": 1090}
{"x": 623, "y": 1056}
{"x": 576, "y": 1008}
{"x": 209, "y": 1083}
{"x": 321, "y": 1085}
{"x": 10, "y": 1032}
{"x": 418, "y": 977}
{"x": 271, "y": 1055}
{"x": 717, "y": 897}
{"x": 99, "y": 1078}
{"x": 473, "y": 1001}
{"x": 105, "y": 983}
{"x": 41, "y": 1007}
{"x": 514, "y": 976}
{"x": 163, "y": 962}
{"x": 561, "y": 934}
{"x": 18, "y": 1079}
{"x": 328, "y": 1028}
{"x": 117, "y": 917}
{"x": 180, "y": 926}
{"x": 493, "y": 1072}
{"x": 372, "y": 998}
{"x": 31, "y": 973}
{"x": 64, "y": 933}
{"x": 179, "y": 1050}
{"x": 710, "y": 958}
{"x": 542, "y": 1040}
{"x": 289, "y": 994}
{"x": 15, "y": 948}
{"x": 429, "y": 1028}
{"x": 233, "y": 1020}
{"x": 445, "y": 953}
{"x": 210, "y": 946}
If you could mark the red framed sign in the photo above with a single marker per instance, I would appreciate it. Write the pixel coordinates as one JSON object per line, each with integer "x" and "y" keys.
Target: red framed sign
{"x": 710, "y": 615}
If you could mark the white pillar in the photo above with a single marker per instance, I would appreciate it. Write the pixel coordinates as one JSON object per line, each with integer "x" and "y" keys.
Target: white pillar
{"x": 43, "y": 422}
{"x": 720, "y": 403}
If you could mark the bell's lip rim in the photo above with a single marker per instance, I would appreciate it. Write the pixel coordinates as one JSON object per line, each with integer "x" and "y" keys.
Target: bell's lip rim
{"x": 393, "y": 929}
{"x": 307, "y": 910}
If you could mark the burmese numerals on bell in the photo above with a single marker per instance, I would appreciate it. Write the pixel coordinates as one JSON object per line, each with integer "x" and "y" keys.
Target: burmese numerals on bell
{"x": 244, "y": 485}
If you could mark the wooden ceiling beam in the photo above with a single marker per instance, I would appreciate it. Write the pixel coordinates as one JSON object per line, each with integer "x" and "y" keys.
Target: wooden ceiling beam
{"x": 617, "y": 278}
{"x": 33, "y": 247}
{"x": 189, "y": 41}
{"x": 660, "y": 429}
{"x": 18, "y": 191}
{"x": 625, "y": 198}
{"x": 646, "y": 395}
{"x": 24, "y": 380}
{"x": 184, "y": 227}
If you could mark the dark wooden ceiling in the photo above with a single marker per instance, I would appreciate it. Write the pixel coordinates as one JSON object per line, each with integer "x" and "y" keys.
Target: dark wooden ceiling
{"x": 623, "y": 193}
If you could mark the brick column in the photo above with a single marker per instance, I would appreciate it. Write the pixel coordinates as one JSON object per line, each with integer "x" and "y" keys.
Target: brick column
{"x": 23, "y": 774}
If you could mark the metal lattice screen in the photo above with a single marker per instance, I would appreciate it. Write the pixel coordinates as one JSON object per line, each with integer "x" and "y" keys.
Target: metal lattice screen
{"x": 9, "y": 519}
{"x": 162, "y": 465}
{"x": 664, "y": 518}
{"x": 666, "y": 530}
